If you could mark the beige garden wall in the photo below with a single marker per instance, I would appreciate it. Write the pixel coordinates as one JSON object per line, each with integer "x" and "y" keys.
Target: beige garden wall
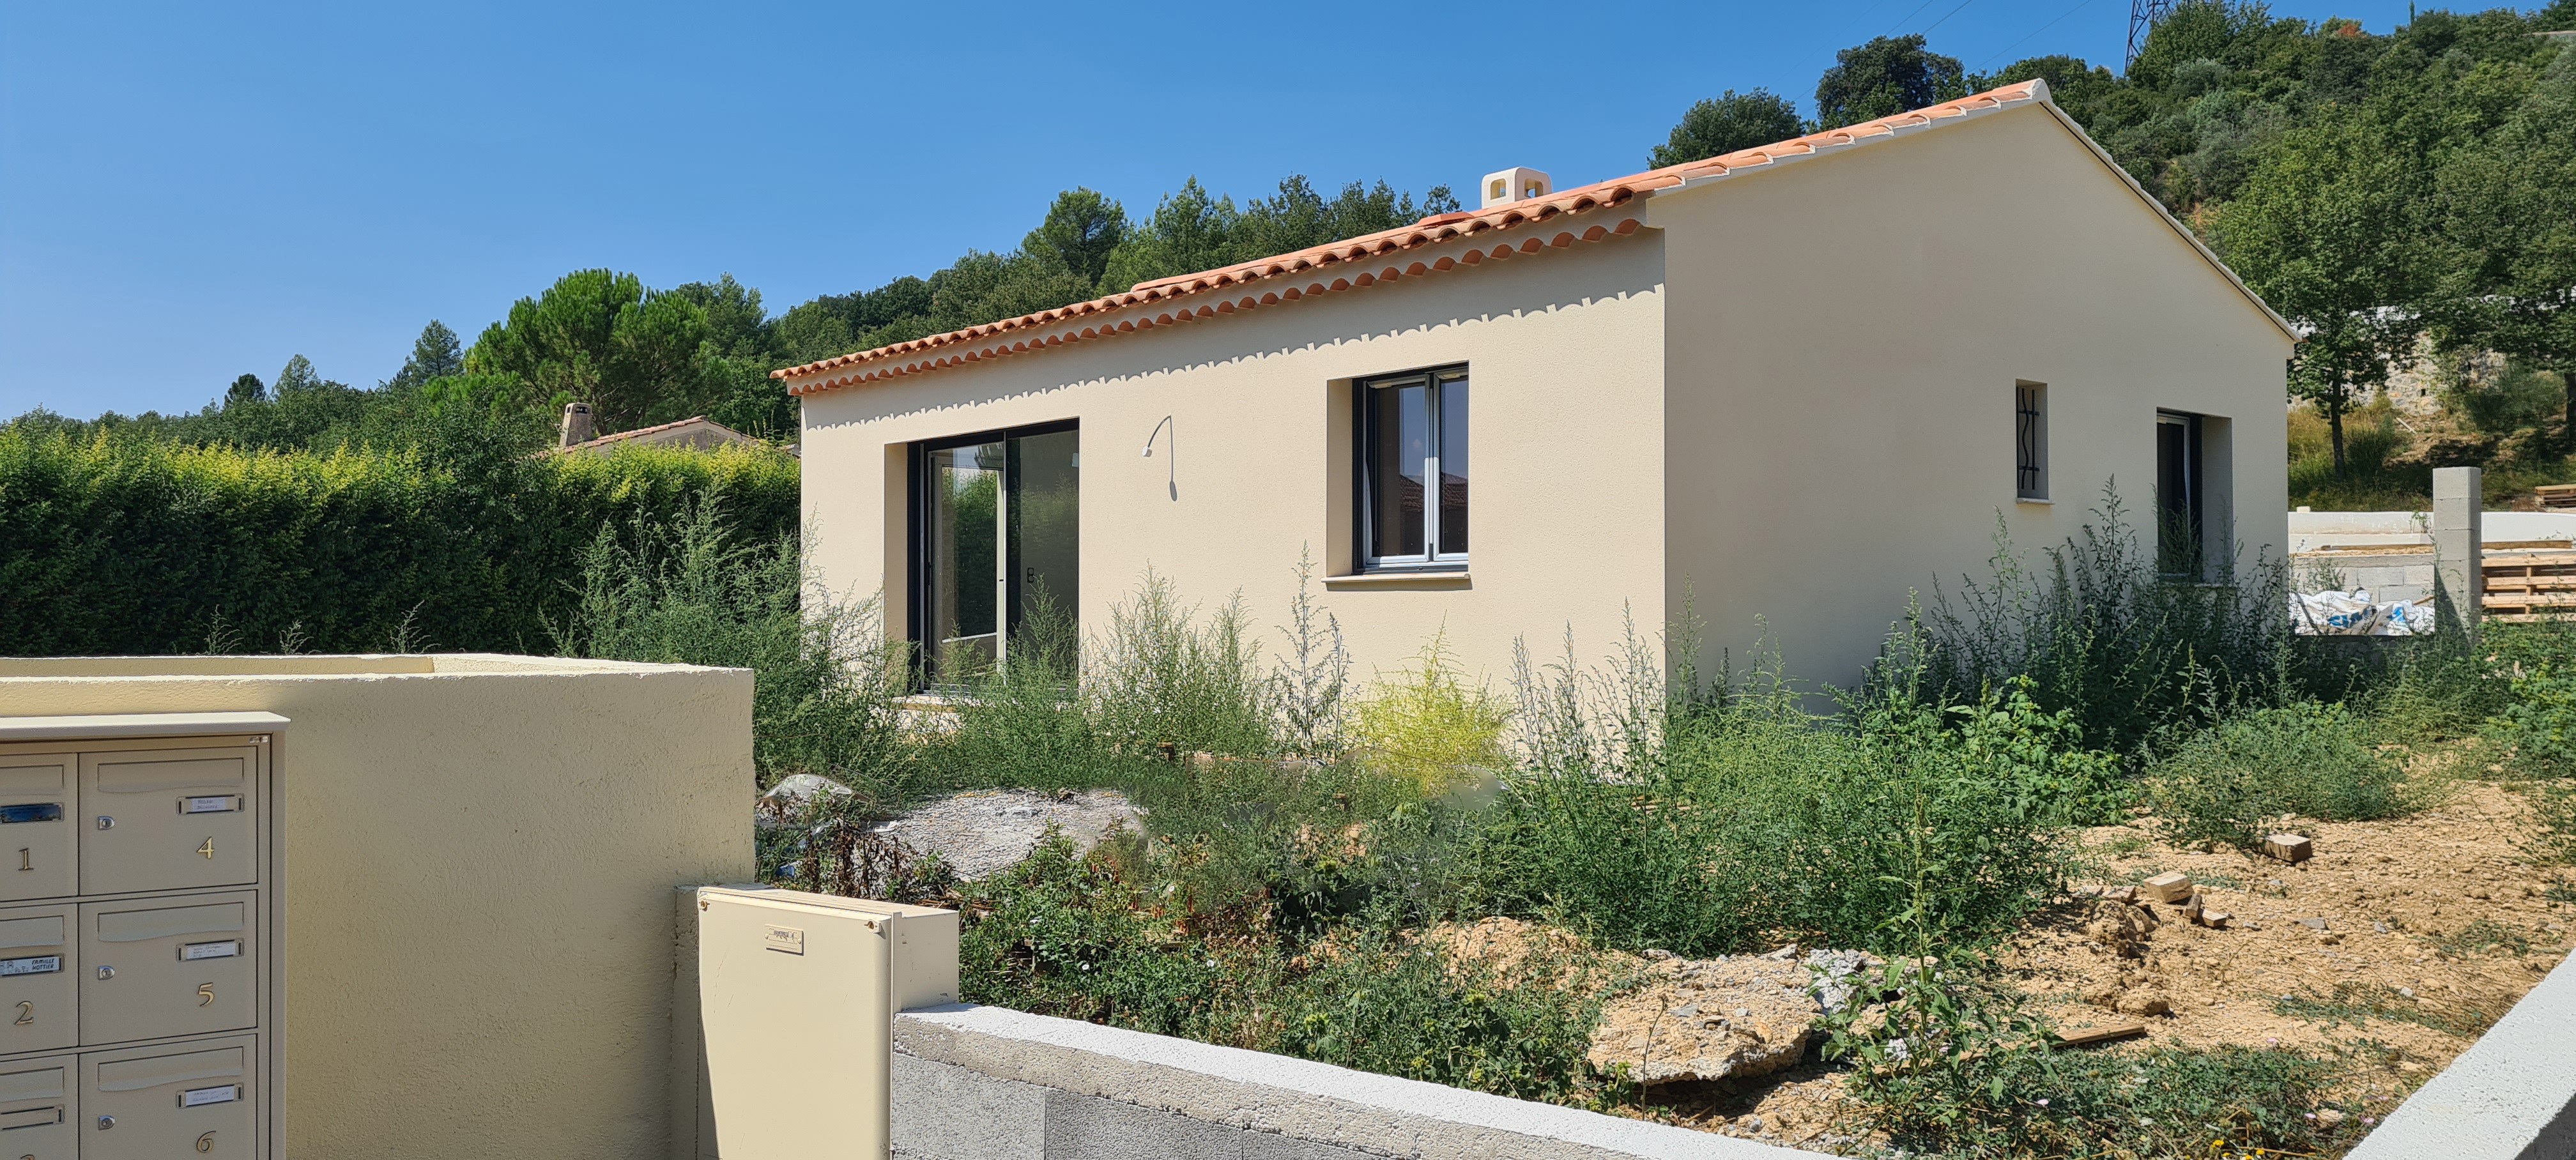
{"x": 1565, "y": 348}
{"x": 1845, "y": 336}
{"x": 480, "y": 857}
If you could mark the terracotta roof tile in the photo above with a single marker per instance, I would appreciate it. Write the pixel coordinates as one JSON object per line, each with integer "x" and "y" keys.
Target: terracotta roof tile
{"x": 1356, "y": 262}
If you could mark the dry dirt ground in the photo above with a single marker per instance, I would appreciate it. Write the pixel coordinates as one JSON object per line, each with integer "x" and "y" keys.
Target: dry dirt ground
{"x": 2417, "y": 934}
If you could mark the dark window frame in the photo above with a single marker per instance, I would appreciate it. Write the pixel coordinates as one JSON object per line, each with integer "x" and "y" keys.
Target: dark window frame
{"x": 2185, "y": 557}
{"x": 917, "y": 583}
{"x": 1364, "y": 436}
{"x": 2030, "y": 440}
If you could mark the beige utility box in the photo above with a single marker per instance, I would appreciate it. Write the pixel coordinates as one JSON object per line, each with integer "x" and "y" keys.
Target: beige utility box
{"x": 140, "y": 974}
{"x": 796, "y": 997}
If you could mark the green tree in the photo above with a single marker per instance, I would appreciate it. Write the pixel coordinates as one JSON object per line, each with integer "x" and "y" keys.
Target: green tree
{"x": 245, "y": 390}
{"x": 2328, "y": 231}
{"x": 1884, "y": 77}
{"x": 1081, "y": 230}
{"x": 737, "y": 323}
{"x": 600, "y": 337}
{"x": 1732, "y": 121}
{"x": 297, "y": 377}
{"x": 2508, "y": 209}
{"x": 435, "y": 354}
{"x": 1190, "y": 231}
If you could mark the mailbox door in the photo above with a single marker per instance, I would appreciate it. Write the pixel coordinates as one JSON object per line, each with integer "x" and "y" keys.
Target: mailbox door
{"x": 162, "y": 1103}
{"x": 38, "y": 826}
{"x": 39, "y": 1119}
{"x": 39, "y": 981}
{"x": 168, "y": 819}
{"x": 159, "y": 967}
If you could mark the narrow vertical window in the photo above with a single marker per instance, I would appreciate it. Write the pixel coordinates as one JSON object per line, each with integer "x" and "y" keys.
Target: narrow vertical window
{"x": 2030, "y": 441}
{"x": 1412, "y": 458}
{"x": 2178, "y": 488}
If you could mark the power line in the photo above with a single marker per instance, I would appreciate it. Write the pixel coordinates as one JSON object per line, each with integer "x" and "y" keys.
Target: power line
{"x": 1927, "y": 29}
{"x": 1900, "y": 22}
{"x": 2080, "y": 5}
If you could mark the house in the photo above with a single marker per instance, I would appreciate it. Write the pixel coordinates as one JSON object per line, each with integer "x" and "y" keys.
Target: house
{"x": 1786, "y": 387}
{"x": 697, "y": 432}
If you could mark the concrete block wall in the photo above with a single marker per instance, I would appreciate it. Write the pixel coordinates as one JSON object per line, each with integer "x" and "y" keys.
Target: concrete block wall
{"x": 988, "y": 1083}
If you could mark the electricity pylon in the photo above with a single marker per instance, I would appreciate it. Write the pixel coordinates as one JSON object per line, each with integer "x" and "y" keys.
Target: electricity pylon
{"x": 2143, "y": 15}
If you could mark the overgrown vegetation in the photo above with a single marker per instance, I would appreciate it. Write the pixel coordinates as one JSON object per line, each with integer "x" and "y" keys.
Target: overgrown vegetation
{"x": 2227, "y": 784}
{"x": 1308, "y": 839}
{"x": 135, "y": 547}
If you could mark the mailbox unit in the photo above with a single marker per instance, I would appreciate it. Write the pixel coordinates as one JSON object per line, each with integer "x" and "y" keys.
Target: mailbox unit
{"x": 140, "y": 959}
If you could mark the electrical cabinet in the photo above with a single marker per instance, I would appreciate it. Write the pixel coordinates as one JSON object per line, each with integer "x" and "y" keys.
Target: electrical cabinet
{"x": 140, "y": 973}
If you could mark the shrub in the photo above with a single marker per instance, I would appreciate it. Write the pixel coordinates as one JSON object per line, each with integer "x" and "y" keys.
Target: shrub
{"x": 1069, "y": 936}
{"x": 1721, "y": 820}
{"x": 1387, "y": 1002}
{"x": 132, "y": 546}
{"x": 2318, "y": 760}
{"x": 694, "y": 591}
{"x": 1164, "y": 679}
{"x": 1095, "y": 938}
{"x": 1429, "y": 726}
{"x": 2100, "y": 632}
{"x": 1025, "y": 723}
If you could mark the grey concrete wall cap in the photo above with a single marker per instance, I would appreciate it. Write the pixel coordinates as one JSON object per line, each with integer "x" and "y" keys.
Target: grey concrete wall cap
{"x": 1298, "y": 1098}
{"x": 2510, "y": 1096}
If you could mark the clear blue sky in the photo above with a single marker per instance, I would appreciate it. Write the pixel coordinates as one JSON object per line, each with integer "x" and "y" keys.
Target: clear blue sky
{"x": 191, "y": 191}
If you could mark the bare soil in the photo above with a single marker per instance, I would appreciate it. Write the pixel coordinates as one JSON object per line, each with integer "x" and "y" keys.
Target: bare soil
{"x": 2418, "y": 934}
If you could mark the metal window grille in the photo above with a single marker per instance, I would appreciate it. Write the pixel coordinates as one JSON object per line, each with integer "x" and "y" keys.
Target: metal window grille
{"x": 2026, "y": 440}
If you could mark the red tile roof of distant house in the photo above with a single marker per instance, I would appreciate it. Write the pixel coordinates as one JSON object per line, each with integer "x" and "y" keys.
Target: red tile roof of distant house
{"x": 1358, "y": 262}
{"x": 719, "y": 430}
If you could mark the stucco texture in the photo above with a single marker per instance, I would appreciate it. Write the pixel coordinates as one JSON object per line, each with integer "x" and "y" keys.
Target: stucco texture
{"x": 1844, "y": 342}
{"x": 1787, "y": 400}
{"x": 1565, "y": 350}
{"x": 480, "y": 854}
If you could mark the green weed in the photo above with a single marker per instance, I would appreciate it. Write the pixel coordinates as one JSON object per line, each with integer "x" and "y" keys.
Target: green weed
{"x": 2357, "y": 1004}
{"x": 2221, "y": 785}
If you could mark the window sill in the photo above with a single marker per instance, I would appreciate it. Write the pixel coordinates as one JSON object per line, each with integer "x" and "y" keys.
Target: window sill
{"x": 2034, "y": 500}
{"x": 1402, "y": 581}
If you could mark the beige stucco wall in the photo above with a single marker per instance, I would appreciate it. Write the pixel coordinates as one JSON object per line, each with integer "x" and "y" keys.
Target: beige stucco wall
{"x": 480, "y": 858}
{"x": 1845, "y": 336}
{"x": 1812, "y": 420}
{"x": 1565, "y": 348}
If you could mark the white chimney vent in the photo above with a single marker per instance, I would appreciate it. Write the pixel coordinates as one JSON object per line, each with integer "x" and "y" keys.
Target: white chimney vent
{"x": 1515, "y": 184}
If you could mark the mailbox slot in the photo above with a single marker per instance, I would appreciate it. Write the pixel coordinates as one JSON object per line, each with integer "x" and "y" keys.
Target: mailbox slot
{"x": 181, "y": 1099}
{"x": 159, "y": 967}
{"x": 39, "y": 979}
{"x": 168, "y": 819}
{"x": 38, "y": 840}
{"x": 38, "y": 1115}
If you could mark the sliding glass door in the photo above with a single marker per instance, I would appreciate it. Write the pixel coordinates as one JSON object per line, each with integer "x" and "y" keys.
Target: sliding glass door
{"x": 996, "y": 544}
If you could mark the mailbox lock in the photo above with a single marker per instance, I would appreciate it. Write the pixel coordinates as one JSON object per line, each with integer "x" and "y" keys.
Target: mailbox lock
{"x": 106, "y": 823}
{"x": 106, "y": 1122}
{"x": 105, "y": 973}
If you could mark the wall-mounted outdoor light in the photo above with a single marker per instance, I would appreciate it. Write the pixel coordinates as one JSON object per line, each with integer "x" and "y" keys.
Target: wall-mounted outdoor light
{"x": 1172, "y": 465}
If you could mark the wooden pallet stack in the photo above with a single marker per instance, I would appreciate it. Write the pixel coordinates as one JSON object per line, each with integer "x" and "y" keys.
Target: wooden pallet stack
{"x": 2528, "y": 585}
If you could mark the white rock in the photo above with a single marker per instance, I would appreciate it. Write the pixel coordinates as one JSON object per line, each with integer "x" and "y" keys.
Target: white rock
{"x": 794, "y": 796}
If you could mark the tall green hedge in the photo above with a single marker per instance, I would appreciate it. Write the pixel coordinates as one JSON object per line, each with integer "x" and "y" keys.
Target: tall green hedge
{"x": 113, "y": 547}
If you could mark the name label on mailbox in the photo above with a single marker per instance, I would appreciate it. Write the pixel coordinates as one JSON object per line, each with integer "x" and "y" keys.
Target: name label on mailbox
{"x": 40, "y": 965}
{"x": 200, "y": 1097}
{"x": 786, "y": 939}
{"x": 191, "y": 952}
{"x": 31, "y": 812}
{"x": 224, "y": 804}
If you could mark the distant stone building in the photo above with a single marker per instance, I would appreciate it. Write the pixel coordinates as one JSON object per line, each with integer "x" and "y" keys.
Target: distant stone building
{"x": 697, "y": 431}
